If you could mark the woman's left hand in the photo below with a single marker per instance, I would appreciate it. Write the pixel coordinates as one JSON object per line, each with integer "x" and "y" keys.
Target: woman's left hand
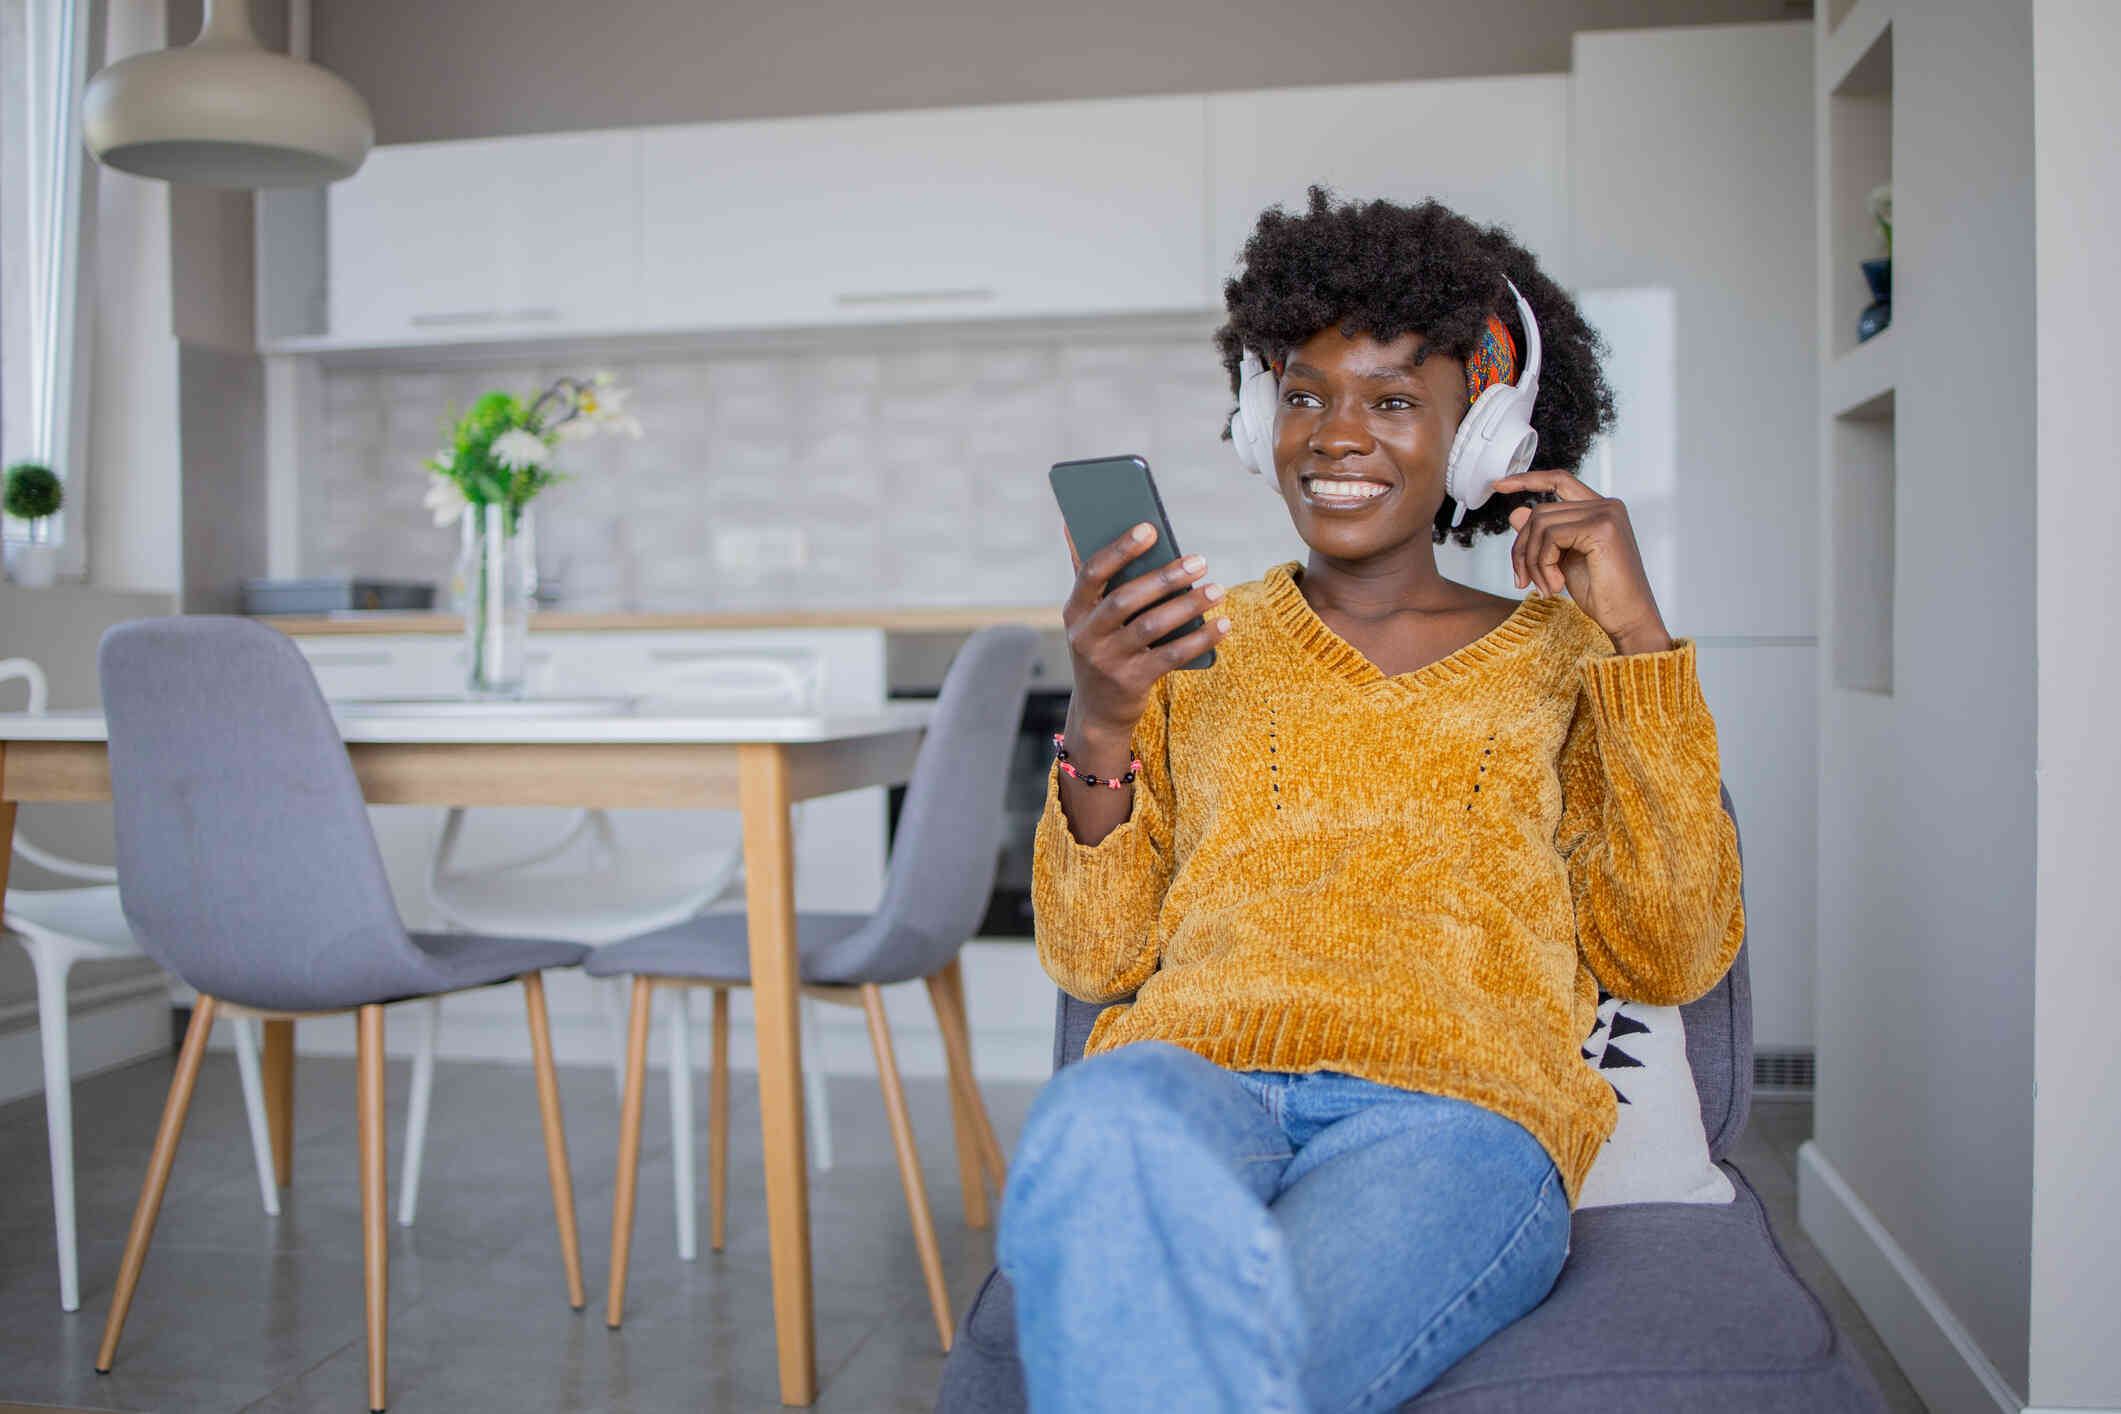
{"x": 1584, "y": 543}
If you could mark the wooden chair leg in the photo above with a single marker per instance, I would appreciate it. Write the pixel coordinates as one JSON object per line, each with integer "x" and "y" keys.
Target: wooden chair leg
{"x": 555, "y": 1135}
{"x": 718, "y": 1122}
{"x": 909, "y": 1160}
{"x": 152, "y": 1187}
{"x": 629, "y": 1149}
{"x": 375, "y": 1200}
{"x": 278, "y": 1054}
{"x": 952, "y": 978}
{"x": 971, "y": 1165}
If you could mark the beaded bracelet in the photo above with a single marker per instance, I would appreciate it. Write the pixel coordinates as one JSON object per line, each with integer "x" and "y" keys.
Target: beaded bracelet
{"x": 1060, "y": 754}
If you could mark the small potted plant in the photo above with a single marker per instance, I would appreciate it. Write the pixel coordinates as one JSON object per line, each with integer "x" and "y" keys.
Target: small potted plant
{"x": 1878, "y": 315}
{"x": 33, "y": 496}
{"x": 498, "y": 459}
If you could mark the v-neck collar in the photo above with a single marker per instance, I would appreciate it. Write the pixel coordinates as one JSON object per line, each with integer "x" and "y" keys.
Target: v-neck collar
{"x": 1347, "y": 662}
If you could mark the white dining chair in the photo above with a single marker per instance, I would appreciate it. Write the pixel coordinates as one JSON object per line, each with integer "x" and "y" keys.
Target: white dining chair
{"x": 592, "y": 884}
{"x": 58, "y": 928}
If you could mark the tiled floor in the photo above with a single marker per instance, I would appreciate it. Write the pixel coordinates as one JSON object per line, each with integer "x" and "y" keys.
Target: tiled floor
{"x": 238, "y": 1311}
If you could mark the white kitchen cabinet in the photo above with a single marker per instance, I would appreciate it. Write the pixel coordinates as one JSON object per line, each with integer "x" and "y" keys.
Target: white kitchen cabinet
{"x": 1493, "y": 149}
{"x": 500, "y": 237}
{"x": 1091, "y": 207}
{"x": 1033, "y": 210}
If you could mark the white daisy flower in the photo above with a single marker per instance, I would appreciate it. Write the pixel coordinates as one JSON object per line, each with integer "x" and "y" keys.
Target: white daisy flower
{"x": 604, "y": 409}
{"x": 445, "y": 498}
{"x": 519, "y": 448}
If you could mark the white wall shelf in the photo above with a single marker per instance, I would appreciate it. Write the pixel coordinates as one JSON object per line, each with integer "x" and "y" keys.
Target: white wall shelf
{"x": 1860, "y": 383}
{"x": 1856, "y": 31}
{"x": 1861, "y": 445}
{"x": 1857, "y": 78}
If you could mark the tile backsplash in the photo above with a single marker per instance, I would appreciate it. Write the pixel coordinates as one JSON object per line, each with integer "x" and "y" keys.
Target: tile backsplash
{"x": 809, "y": 479}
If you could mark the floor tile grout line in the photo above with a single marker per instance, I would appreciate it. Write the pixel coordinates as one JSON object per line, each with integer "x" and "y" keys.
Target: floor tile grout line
{"x": 301, "y": 1375}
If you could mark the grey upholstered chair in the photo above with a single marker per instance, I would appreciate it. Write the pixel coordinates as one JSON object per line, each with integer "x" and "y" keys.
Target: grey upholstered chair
{"x": 1661, "y": 1308}
{"x": 941, "y": 872}
{"x": 247, "y": 867}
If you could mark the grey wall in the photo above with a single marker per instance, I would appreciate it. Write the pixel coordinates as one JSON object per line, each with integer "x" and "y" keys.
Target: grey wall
{"x": 2077, "y": 1141}
{"x": 1724, "y": 517}
{"x": 221, "y": 436}
{"x": 1926, "y": 795}
{"x": 482, "y": 68}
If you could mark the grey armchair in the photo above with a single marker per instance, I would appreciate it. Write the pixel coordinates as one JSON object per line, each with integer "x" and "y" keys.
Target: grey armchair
{"x": 1662, "y": 1308}
{"x": 247, "y": 867}
{"x": 942, "y": 870}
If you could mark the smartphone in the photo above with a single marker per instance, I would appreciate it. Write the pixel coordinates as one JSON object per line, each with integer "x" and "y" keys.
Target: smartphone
{"x": 1103, "y": 498}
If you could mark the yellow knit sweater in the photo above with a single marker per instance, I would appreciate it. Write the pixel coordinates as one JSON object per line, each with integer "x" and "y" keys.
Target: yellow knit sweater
{"x": 1416, "y": 879}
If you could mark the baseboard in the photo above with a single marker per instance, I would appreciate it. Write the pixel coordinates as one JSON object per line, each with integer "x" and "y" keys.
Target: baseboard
{"x": 1938, "y": 1354}
{"x": 117, "y": 1028}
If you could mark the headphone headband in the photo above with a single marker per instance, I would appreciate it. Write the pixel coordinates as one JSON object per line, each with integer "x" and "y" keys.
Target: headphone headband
{"x": 1494, "y": 439}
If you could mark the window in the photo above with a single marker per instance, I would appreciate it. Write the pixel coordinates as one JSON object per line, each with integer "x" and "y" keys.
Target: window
{"x": 43, "y": 62}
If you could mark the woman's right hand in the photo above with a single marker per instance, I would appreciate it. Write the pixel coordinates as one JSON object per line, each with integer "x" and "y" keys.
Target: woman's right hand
{"x": 1116, "y": 663}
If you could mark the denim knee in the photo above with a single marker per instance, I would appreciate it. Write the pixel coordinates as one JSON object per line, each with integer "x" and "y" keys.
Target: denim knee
{"x": 1114, "y": 1095}
{"x": 1132, "y": 1085}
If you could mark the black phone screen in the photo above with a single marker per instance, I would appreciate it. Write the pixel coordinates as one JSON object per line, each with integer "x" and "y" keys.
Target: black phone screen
{"x": 1101, "y": 499}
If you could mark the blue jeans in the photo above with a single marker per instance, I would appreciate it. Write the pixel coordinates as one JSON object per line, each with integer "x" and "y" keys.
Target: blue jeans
{"x": 1183, "y": 1237}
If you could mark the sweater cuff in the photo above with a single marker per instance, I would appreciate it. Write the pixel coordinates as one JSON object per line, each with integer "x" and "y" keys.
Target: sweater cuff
{"x": 1073, "y": 851}
{"x": 1648, "y": 689}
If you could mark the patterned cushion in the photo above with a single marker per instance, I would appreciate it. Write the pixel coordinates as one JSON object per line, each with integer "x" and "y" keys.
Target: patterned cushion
{"x": 1658, "y": 1151}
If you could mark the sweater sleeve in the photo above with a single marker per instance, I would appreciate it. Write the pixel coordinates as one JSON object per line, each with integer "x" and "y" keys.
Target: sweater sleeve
{"x": 1652, "y": 854}
{"x": 1094, "y": 907}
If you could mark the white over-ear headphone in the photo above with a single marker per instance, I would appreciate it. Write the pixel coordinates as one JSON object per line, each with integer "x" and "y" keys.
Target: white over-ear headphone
{"x": 1252, "y": 425}
{"x": 1495, "y": 439}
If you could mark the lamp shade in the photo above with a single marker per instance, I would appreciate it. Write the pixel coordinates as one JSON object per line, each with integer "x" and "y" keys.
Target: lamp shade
{"x": 224, "y": 112}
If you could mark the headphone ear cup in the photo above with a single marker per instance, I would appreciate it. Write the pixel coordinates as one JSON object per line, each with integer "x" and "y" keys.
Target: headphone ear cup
{"x": 1470, "y": 472}
{"x": 1252, "y": 425}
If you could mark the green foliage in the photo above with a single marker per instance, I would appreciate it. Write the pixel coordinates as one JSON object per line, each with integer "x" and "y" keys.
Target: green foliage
{"x": 467, "y": 472}
{"x": 32, "y": 493}
{"x": 472, "y": 465}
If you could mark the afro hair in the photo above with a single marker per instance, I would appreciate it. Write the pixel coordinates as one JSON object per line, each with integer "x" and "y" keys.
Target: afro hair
{"x": 1386, "y": 270}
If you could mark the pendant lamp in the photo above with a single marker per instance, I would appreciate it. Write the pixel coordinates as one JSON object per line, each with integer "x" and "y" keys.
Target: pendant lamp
{"x": 225, "y": 112}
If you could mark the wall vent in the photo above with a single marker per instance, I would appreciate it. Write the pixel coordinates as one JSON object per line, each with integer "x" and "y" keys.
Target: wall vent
{"x": 1783, "y": 1073}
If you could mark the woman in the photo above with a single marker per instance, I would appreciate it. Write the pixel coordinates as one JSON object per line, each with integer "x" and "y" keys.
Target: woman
{"x": 1369, "y": 872}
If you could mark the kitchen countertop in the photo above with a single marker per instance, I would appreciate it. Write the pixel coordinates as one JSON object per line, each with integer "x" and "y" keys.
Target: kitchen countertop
{"x": 926, "y": 620}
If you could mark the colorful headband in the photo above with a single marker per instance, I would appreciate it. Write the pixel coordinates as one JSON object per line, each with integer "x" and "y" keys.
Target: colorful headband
{"x": 1493, "y": 360}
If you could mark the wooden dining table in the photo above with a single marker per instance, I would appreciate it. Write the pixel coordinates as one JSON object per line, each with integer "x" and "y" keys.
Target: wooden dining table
{"x": 465, "y": 754}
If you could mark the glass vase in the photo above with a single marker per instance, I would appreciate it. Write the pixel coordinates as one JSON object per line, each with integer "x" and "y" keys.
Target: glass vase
{"x": 497, "y": 576}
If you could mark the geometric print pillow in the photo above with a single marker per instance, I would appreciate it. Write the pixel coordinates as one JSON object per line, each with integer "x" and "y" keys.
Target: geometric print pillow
{"x": 1658, "y": 1152}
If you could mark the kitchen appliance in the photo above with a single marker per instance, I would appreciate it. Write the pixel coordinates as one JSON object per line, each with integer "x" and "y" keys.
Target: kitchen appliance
{"x": 914, "y": 665}
{"x": 334, "y": 595}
